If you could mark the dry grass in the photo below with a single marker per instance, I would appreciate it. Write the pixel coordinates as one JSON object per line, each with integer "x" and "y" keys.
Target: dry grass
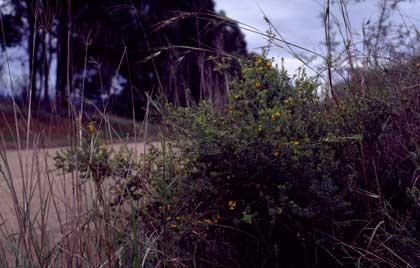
{"x": 46, "y": 214}
{"x": 51, "y": 219}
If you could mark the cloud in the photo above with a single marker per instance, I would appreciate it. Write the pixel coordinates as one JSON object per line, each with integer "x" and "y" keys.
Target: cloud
{"x": 299, "y": 21}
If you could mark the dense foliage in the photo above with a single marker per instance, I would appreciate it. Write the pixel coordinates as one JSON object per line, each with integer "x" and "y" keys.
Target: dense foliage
{"x": 115, "y": 53}
{"x": 280, "y": 178}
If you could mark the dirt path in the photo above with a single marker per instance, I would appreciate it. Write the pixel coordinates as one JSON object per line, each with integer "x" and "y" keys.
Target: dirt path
{"x": 30, "y": 179}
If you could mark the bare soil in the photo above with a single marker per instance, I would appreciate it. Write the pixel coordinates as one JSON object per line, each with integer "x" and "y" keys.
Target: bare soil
{"x": 31, "y": 175}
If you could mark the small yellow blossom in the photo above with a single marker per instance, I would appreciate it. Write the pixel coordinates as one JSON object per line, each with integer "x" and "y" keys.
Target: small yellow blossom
{"x": 275, "y": 116}
{"x": 279, "y": 211}
{"x": 276, "y": 154}
{"x": 258, "y": 62}
{"x": 258, "y": 84}
{"x": 288, "y": 100}
{"x": 168, "y": 218}
{"x": 172, "y": 225}
{"x": 296, "y": 142}
{"x": 232, "y": 205}
{"x": 236, "y": 97}
{"x": 102, "y": 147}
{"x": 208, "y": 221}
{"x": 168, "y": 207}
{"x": 269, "y": 64}
{"x": 230, "y": 110}
{"x": 91, "y": 127}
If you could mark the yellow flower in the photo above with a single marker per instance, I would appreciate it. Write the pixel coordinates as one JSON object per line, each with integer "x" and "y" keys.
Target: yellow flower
{"x": 236, "y": 97}
{"x": 258, "y": 84}
{"x": 279, "y": 211}
{"x": 258, "y": 62}
{"x": 102, "y": 147}
{"x": 230, "y": 110}
{"x": 232, "y": 204}
{"x": 168, "y": 218}
{"x": 288, "y": 100}
{"x": 208, "y": 221}
{"x": 168, "y": 207}
{"x": 91, "y": 127}
{"x": 275, "y": 116}
{"x": 276, "y": 154}
{"x": 172, "y": 226}
{"x": 296, "y": 142}
{"x": 260, "y": 129}
{"x": 269, "y": 64}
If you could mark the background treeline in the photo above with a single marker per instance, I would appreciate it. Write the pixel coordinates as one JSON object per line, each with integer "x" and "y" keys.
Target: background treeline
{"x": 115, "y": 53}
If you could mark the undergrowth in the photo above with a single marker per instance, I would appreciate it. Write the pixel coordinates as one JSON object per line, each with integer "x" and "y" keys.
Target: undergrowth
{"x": 284, "y": 176}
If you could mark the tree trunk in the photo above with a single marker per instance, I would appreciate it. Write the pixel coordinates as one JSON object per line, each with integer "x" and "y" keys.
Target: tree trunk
{"x": 32, "y": 52}
{"x": 46, "y": 68}
{"x": 64, "y": 76}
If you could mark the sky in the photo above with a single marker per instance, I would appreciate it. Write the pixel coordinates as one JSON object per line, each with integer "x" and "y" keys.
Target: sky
{"x": 299, "y": 21}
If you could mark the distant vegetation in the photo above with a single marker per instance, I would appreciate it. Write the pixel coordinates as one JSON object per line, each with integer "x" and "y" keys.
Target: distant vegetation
{"x": 116, "y": 53}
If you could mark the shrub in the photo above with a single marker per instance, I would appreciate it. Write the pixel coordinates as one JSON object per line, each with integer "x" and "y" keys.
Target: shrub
{"x": 269, "y": 163}
{"x": 279, "y": 178}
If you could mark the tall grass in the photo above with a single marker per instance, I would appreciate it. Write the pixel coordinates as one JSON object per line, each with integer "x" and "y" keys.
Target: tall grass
{"x": 55, "y": 219}
{"x": 52, "y": 218}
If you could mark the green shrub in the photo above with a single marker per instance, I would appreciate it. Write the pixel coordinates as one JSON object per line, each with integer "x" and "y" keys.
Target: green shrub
{"x": 269, "y": 163}
{"x": 278, "y": 178}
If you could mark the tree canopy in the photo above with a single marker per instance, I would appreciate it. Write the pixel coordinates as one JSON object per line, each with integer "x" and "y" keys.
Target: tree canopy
{"x": 116, "y": 52}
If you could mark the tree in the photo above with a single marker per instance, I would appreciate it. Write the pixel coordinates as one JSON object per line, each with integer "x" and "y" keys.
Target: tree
{"x": 120, "y": 50}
